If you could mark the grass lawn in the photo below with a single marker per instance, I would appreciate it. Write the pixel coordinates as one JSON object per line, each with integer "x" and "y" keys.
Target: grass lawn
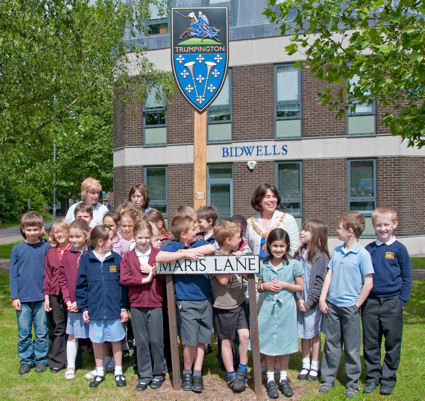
{"x": 6, "y": 249}
{"x": 47, "y": 386}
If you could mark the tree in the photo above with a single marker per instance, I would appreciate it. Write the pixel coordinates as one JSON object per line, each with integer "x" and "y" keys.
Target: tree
{"x": 60, "y": 61}
{"x": 372, "y": 49}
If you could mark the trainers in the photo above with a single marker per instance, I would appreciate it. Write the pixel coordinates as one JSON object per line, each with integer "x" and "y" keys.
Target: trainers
{"x": 239, "y": 382}
{"x": 197, "y": 384}
{"x": 187, "y": 381}
{"x": 326, "y": 388}
{"x": 351, "y": 392}
{"x": 313, "y": 374}
{"x": 370, "y": 387}
{"x": 24, "y": 369}
{"x": 120, "y": 381}
{"x": 303, "y": 374}
{"x": 40, "y": 367}
{"x": 285, "y": 388}
{"x": 96, "y": 381}
{"x": 156, "y": 383}
{"x": 272, "y": 389}
{"x": 142, "y": 385}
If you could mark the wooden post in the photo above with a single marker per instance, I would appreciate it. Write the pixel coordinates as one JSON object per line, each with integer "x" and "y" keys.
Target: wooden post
{"x": 199, "y": 159}
{"x": 175, "y": 359}
{"x": 255, "y": 341}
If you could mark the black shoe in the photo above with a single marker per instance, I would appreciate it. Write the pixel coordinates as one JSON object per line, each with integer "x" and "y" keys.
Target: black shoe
{"x": 197, "y": 384}
{"x": 156, "y": 383}
{"x": 285, "y": 388}
{"x": 40, "y": 367}
{"x": 272, "y": 389}
{"x": 386, "y": 390}
{"x": 24, "y": 369}
{"x": 313, "y": 375}
{"x": 142, "y": 385}
{"x": 120, "y": 381}
{"x": 303, "y": 374}
{"x": 96, "y": 381}
{"x": 370, "y": 387}
{"x": 55, "y": 369}
{"x": 187, "y": 381}
{"x": 239, "y": 384}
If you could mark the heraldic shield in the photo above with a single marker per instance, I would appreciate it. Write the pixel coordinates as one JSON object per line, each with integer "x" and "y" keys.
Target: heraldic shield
{"x": 199, "y": 52}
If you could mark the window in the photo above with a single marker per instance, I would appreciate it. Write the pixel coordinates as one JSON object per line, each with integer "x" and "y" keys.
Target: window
{"x": 158, "y": 23}
{"x": 288, "y": 101}
{"x": 220, "y": 114}
{"x": 220, "y": 189}
{"x": 362, "y": 186}
{"x": 154, "y": 117}
{"x": 361, "y": 118}
{"x": 224, "y": 3}
{"x": 156, "y": 181}
{"x": 289, "y": 185}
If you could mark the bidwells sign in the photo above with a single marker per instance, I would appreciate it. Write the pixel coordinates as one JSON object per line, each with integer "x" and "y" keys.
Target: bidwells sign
{"x": 254, "y": 150}
{"x": 199, "y": 52}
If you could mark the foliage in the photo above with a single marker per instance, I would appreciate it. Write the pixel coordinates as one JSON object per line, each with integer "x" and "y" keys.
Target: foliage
{"x": 60, "y": 61}
{"x": 380, "y": 42}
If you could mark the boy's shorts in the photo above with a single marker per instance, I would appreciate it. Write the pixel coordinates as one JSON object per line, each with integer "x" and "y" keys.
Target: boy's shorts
{"x": 227, "y": 322}
{"x": 196, "y": 321}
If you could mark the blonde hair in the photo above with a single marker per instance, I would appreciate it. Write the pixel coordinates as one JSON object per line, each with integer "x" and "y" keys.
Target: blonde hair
{"x": 61, "y": 224}
{"x": 187, "y": 211}
{"x": 224, "y": 230}
{"x": 130, "y": 210}
{"x": 32, "y": 218}
{"x": 155, "y": 216}
{"x": 353, "y": 220}
{"x": 142, "y": 225}
{"x": 90, "y": 184}
{"x": 384, "y": 211}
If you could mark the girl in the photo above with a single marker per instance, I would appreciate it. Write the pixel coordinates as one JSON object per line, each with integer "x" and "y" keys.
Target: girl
{"x": 146, "y": 293}
{"x": 128, "y": 217}
{"x": 99, "y": 296}
{"x": 53, "y": 300}
{"x": 75, "y": 328}
{"x": 159, "y": 228}
{"x": 314, "y": 257}
{"x": 279, "y": 278}
{"x": 112, "y": 221}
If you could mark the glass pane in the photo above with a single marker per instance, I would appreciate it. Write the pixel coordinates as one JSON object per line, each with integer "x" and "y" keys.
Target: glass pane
{"x": 293, "y": 208}
{"x": 361, "y": 179}
{"x": 161, "y": 206}
{"x": 152, "y": 100}
{"x": 288, "y": 110}
{"x": 157, "y": 11}
{"x": 287, "y": 83}
{"x": 219, "y": 114}
{"x": 219, "y": 132}
{"x": 223, "y": 97}
{"x": 365, "y": 108}
{"x": 289, "y": 181}
{"x": 220, "y": 198}
{"x": 288, "y": 128}
{"x": 155, "y": 118}
{"x": 362, "y": 206}
{"x": 361, "y": 125}
{"x": 156, "y": 183}
{"x": 155, "y": 136}
{"x": 220, "y": 171}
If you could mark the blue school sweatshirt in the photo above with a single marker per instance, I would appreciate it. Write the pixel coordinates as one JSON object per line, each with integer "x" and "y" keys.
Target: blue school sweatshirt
{"x": 26, "y": 273}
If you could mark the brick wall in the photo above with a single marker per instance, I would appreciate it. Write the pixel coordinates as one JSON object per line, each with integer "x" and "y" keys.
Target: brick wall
{"x": 179, "y": 120}
{"x": 124, "y": 179}
{"x": 180, "y": 187}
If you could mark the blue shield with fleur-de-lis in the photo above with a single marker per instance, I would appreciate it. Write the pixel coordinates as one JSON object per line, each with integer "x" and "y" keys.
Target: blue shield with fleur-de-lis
{"x": 199, "y": 53}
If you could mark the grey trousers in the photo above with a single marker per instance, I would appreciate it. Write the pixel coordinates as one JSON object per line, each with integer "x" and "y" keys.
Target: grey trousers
{"x": 148, "y": 333}
{"x": 342, "y": 329}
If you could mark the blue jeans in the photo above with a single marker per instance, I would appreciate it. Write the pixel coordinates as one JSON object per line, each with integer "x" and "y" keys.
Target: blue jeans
{"x": 32, "y": 353}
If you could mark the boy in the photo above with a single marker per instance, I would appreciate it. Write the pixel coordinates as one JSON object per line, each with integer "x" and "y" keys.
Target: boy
{"x": 84, "y": 211}
{"x": 90, "y": 189}
{"x": 229, "y": 312}
{"x": 26, "y": 289}
{"x": 207, "y": 217}
{"x": 193, "y": 295}
{"x": 382, "y": 312}
{"x": 349, "y": 281}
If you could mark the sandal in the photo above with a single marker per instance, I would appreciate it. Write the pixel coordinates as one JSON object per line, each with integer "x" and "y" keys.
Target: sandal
{"x": 303, "y": 374}
{"x": 70, "y": 373}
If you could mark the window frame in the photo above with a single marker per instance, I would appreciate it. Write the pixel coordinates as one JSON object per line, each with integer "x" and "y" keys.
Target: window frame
{"x": 220, "y": 181}
{"x": 160, "y": 21}
{"x": 155, "y": 110}
{"x": 154, "y": 203}
{"x": 277, "y": 103}
{"x": 299, "y": 163}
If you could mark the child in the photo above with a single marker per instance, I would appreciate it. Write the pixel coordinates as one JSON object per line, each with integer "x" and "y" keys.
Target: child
{"x": 193, "y": 295}
{"x": 90, "y": 190}
{"x": 99, "y": 296}
{"x": 159, "y": 227}
{"x": 146, "y": 294}
{"x": 128, "y": 217}
{"x": 84, "y": 211}
{"x": 53, "y": 300}
{"x": 382, "y": 312}
{"x": 75, "y": 328}
{"x": 349, "y": 281}
{"x": 314, "y": 257}
{"x": 242, "y": 223}
{"x": 26, "y": 290}
{"x": 112, "y": 221}
{"x": 229, "y": 312}
{"x": 207, "y": 217}
{"x": 279, "y": 278}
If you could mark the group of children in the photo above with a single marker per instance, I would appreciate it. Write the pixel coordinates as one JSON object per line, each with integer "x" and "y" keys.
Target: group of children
{"x": 92, "y": 280}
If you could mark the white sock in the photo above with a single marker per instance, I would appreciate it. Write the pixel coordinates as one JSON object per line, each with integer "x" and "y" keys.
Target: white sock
{"x": 100, "y": 371}
{"x": 283, "y": 375}
{"x": 315, "y": 365}
{"x": 71, "y": 353}
{"x": 270, "y": 376}
{"x": 118, "y": 370}
{"x": 306, "y": 363}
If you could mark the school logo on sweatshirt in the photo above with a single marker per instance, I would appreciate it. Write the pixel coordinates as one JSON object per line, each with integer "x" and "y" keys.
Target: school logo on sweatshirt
{"x": 112, "y": 269}
{"x": 389, "y": 255}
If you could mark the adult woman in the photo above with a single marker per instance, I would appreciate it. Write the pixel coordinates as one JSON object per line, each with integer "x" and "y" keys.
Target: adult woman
{"x": 139, "y": 196}
{"x": 266, "y": 201}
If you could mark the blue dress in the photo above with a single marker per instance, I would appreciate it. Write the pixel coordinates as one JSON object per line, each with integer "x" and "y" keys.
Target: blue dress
{"x": 277, "y": 318}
